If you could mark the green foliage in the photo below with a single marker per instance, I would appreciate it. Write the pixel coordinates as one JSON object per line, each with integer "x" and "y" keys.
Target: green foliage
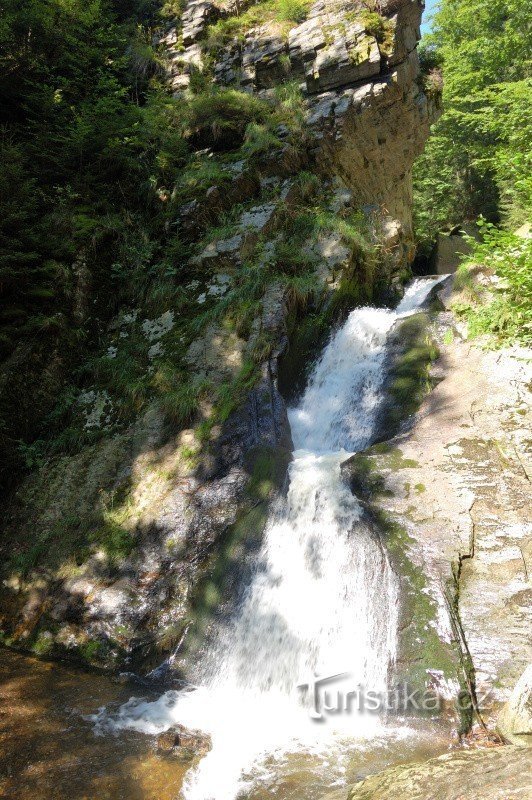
{"x": 116, "y": 540}
{"x": 300, "y": 290}
{"x": 293, "y": 10}
{"x": 259, "y": 139}
{"x": 180, "y": 395}
{"x": 92, "y": 650}
{"x": 97, "y": 159}
{"x": 197, "y": 176}
{"x": 381, "y": 28}
{"x": 478, "y": 158}
{"x": 507, "y": 313}
{"x": 220, "y": 116}
{"x": 24, "y": 561}
{"x": 233, "y": 28}
{"x": 290, "y": 105}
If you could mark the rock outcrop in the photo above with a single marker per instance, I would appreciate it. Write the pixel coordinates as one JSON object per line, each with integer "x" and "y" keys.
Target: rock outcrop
{"x": 501, "y": 772}
{"x": 360, "y": 72}
{"x": 515, "y": 720}
{"x": 451, "y": 493}
{"x": 178, "y": 513}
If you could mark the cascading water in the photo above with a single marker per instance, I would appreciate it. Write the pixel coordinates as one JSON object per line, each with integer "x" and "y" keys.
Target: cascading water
{"x": 322, "y": 600}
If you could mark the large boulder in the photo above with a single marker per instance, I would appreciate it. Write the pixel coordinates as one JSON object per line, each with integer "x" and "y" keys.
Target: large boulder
{"x": 515, "y": 720}
{"x": 501, "y": 773}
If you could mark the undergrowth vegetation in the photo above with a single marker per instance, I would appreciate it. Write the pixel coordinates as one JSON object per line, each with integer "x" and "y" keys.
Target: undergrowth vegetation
{"x": 96, "y": 159}
{"x": 100, "y": 281}
{"x": 478, "y": 159}
{"x": 232, "y": 29}
{"x": 157, "y": 248}
{"x": 505, "y": 309}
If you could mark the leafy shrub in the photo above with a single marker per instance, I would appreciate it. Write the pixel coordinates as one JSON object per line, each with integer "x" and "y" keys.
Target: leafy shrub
{"x": 293, "y": 10}
{"x": 507, "y": 314}
{"x": 220, "y": 117}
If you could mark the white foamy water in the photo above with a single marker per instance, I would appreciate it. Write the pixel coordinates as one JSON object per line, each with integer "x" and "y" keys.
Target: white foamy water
{"x": 322, "y": 600}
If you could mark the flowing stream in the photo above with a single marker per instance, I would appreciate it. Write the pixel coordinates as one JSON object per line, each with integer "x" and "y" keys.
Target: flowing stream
{"x": 322, "y": 601}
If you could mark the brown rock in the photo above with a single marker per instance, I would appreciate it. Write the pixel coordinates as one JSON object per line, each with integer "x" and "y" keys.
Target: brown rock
{"x": 181, "y": 741}
{"x": 501, "y": 773}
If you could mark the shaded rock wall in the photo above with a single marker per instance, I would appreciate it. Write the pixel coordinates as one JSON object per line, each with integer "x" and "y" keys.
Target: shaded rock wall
{"x": 177, "y": 515}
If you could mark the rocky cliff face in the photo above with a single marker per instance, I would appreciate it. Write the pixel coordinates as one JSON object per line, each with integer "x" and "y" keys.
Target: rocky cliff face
{"x": 177, "y": 512}
{"x": 359, "y": 70}
{"x": 450, "y": 493}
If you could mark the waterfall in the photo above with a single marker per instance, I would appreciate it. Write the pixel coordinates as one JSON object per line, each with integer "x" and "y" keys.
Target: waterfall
{"x": 322, "y": 600}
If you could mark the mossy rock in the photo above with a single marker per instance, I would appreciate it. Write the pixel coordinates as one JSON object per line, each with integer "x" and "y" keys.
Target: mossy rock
{"x": 218, "y": 593}
{"x": 412, "y": 352}
{"x": 267, "y": 467}
{"x": 420, "y": 647}
{"x": 306, "y": 340}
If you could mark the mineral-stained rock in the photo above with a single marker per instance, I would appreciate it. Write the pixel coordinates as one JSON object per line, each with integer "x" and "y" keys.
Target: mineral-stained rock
{"x": 515, "y": 720}
{"x": 500, "y": 773}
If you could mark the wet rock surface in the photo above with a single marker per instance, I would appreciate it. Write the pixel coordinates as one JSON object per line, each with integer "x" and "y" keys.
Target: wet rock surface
{"x": 454, "y": 489}
{"x": 183, "y": 743}
{"x": 501, "y": 772}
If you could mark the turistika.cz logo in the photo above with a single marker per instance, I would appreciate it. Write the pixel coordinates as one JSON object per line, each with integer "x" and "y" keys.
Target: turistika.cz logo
{"x": 325, "y": 699}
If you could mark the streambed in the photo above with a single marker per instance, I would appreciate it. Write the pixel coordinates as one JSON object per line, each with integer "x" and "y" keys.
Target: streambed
{"x": 48, "y": 751}
{"x": 322, "y": 600}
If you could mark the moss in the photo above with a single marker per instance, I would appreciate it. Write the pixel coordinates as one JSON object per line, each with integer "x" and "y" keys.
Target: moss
{"x": 448, "y": 337}
{"x": 223, "y": 569}
{"x": 420, "y": 647}
{"x": 267, "y": 466}
{"x": 115, "y": 539}
{"x": 43, "y": 644}
{"x": 232, "y": 29}
{"x": 410, "y": 380}
{"x": 392, "y": 457}
{"x": 92, "y": 650}
{"x": 365, "y": 482}
{"x": 382, "y": 29}
{"x": 306, "y": 339}
{"x": 409, "y": 376}
{"x": 23, "y": 561}
{"x": 420, "y": 488}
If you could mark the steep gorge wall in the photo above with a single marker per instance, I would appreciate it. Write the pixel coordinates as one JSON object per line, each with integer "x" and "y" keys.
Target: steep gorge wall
{"x": 359, "y": 70}
{"x": 178, "y": 511}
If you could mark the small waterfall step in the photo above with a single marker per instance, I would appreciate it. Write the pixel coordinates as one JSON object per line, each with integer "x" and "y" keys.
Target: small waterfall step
{"x": 323, "y": 599}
